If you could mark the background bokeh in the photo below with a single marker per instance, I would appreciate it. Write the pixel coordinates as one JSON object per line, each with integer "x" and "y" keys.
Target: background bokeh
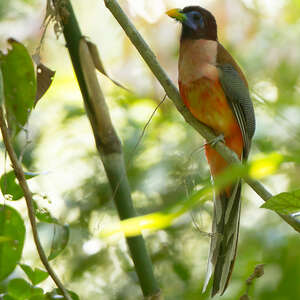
{"x": 263, "y": 36}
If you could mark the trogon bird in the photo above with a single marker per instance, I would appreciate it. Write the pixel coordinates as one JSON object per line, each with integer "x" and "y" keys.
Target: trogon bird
{"x": 215, "y": 90}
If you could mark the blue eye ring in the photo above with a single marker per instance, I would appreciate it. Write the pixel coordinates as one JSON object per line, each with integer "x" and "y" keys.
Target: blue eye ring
{"x": 198, "y": 18}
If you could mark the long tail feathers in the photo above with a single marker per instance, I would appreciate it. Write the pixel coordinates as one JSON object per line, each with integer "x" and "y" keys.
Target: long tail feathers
{"x": 224, "y": 239}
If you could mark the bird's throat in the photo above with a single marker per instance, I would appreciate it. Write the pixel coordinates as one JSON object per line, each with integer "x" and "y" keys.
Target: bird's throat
{"x": 197, "y": 58}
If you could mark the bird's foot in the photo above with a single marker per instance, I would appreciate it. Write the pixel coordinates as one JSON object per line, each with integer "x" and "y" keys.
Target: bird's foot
{"x": 219, "y": 138}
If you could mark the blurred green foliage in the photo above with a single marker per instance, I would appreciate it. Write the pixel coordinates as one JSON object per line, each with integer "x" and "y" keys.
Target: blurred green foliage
{"x": 168, "y": 165}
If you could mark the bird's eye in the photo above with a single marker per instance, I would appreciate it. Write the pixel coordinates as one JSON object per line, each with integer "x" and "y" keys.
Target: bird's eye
{"x": 198, "y": 19}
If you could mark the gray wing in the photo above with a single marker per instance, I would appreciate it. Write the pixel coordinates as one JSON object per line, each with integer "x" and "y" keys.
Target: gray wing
{"x": 238, "y": 97}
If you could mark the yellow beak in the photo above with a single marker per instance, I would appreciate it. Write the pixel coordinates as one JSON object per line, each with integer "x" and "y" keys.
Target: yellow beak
{"x": 176, "y": 13}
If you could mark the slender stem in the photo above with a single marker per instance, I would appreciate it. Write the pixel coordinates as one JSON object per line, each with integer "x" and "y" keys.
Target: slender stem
{"x": 107, "y": 141}
{"x": 265, "y": 195}
{"x": 173, "y": 94}
{"x": 28, "y": 197}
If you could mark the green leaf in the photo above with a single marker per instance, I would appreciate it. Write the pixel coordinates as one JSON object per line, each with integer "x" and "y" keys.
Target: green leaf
{"x": 19, "y": 289}
{"x": 37, "y": 294}
{"x": 9, "y": 186}
{"x": 43, "y": 214}
{"x": 8, "y": 297}
{"x": 35, "y": 276}
{"x": 11, "y": 226}
{"x": 19, "y": 84}
{"x": 284, "y": 203}
{"x": 37, "y": 291}
{"x": 59, "y": 241}
{"x": 38, "y": 297}
{"x": 181, "y": 270}
{"x": 4, "y": 239}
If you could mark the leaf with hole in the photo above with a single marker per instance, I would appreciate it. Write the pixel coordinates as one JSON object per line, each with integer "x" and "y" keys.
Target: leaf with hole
{"x": 44, "y": 78}
{"x": 11, "y": 226}
{"x": 43, "y": 214}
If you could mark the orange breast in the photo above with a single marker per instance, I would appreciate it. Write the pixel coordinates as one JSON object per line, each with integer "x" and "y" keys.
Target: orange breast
{"x": 207, "y": 102}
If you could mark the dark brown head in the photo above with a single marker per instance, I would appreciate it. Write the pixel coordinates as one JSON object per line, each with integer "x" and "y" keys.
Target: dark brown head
{"x": 197, "y": 23}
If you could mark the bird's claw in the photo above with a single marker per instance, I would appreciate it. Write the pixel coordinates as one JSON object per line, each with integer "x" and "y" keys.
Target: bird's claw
{"x": 219, "y": 138}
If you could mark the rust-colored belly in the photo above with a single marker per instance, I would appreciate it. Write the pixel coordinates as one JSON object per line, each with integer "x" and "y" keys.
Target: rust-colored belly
{"x": 207, "y": 102}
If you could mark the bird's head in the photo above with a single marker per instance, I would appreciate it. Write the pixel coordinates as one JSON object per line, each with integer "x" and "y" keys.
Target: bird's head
{"x": 197, "y": 22}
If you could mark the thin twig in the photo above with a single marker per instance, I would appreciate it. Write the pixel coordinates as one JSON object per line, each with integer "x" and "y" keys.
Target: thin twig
{"x": 29, "y": 202}
{"x": 145, "y": 128}
{"x": 257, "y": 273}
{"x": 130, "y": 160}
{"x": 173, "y": 93}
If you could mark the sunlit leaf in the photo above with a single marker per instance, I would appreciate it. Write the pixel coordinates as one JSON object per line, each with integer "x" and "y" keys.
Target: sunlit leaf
{"x": 19, "y": 288}
{"x": 134, "y": 226}
{"x": 19, "y": 84}
{"x": 265, "y": 166}
{"x": 159, "y": 220}
{"x": 35, "y": 276}
{"x": 284, "y": 203}
{"x": 59, "y": 240}
{"x": 11, "y": 226}
{"x": 4, "y": 239}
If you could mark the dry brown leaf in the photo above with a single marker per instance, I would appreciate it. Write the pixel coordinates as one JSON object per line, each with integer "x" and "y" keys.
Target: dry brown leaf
{"x": 99, "y": 65}
{"x": 44, "y": 79}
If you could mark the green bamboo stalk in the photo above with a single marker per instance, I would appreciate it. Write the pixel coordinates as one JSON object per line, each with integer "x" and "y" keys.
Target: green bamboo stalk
{"x": 107, "y": 141}
{"x": 173, "y": 93}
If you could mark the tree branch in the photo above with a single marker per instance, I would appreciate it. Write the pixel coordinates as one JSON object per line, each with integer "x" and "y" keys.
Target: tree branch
{"x": 107, "y": 141}
{"x": 29, "y": 202}
{"x": 173, "y": 94}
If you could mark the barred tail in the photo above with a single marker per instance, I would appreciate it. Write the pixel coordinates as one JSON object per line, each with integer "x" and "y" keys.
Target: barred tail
{"x": 224, "y": 239}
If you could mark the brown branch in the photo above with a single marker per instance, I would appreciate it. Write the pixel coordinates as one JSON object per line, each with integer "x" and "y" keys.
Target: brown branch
{"x": 29, "y": 202}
